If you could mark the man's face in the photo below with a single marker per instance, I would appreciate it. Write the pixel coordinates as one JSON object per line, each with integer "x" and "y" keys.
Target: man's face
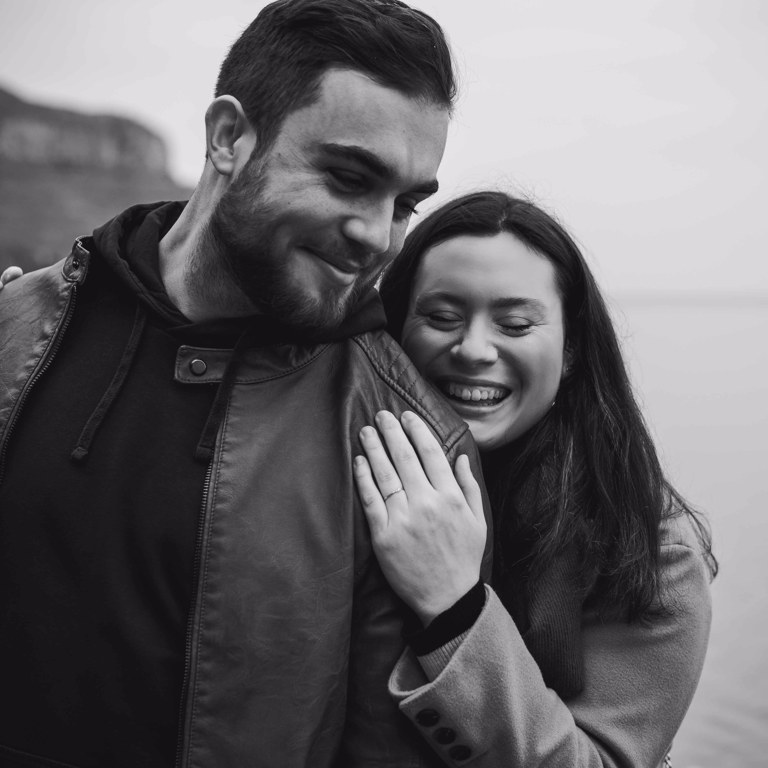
{"x": 307, "y": 227}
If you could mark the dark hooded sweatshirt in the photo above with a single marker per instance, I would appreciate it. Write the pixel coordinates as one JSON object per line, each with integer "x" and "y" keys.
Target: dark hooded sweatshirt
{"x": 99, "y": 509}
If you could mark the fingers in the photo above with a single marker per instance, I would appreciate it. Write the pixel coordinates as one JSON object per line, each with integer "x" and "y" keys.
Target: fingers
{"x": 405, "y": 462}
{"x": 429, "y": 451}
{"x": 10, "y": 274}
{"x": 416, "y": 453}
{"x": 413, "y": 459}
{"x": 373, "y": 503}
{"x": 384, "y": 473}
{"x": 470, "y": 487}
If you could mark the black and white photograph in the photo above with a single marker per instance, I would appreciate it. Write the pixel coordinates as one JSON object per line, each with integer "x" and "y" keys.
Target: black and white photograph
{"x": 383, "y": 384}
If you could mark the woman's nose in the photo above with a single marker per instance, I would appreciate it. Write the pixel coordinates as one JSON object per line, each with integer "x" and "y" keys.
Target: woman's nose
{"x": 475, "y": 347}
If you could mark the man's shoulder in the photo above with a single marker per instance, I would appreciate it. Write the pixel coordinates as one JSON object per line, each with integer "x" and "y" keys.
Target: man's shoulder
{"x": 71, "y": 268}
{"x": 393, "y": 373}
{"x": 46, "y": 287}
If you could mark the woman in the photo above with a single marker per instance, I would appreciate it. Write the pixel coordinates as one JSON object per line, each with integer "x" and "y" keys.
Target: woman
{"x": 588, "y": 647}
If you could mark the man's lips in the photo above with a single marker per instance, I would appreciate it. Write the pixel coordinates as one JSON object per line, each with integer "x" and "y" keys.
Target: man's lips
{"x": 473, "y": 393}
{"x": 339, "y": 263}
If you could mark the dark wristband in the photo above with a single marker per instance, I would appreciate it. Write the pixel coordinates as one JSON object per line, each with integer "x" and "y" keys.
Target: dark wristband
{"x": 449, "y": 624}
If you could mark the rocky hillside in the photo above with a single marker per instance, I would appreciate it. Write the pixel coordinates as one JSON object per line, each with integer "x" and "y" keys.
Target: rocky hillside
{"x": 63, "y": 173}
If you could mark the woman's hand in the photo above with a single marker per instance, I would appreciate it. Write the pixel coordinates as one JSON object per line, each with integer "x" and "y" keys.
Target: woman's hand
{"x": 427, "y": 526}
{"x": 10, "y": 274}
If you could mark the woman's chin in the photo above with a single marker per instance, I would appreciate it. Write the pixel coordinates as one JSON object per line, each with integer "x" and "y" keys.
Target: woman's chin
{"x": 493, "y": 430}
{"x": 487, "y": 436}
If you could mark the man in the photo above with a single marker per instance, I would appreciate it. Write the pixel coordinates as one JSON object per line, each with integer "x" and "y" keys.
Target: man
{"x": 185, "y": 573}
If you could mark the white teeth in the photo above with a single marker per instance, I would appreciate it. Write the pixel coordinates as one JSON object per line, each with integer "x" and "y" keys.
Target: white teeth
{"x": 474, "y": 394}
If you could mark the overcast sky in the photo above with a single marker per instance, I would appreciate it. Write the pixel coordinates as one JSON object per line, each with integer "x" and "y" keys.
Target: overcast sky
{"x": 641, "y": 123}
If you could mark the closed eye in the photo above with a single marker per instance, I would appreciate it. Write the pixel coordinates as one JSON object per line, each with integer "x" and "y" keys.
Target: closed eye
{"x": 405, "y": 209}
{"x": 444, "y": 319}
{"x": 349, "y": 181}
{"x": 516, "y": 328}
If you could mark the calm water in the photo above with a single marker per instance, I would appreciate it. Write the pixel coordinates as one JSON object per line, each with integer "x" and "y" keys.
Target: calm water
{"x": 702, "y": 372}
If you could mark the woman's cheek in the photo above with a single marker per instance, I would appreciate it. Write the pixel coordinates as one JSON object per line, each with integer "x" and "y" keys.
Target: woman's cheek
{"x": 421, "y": 343}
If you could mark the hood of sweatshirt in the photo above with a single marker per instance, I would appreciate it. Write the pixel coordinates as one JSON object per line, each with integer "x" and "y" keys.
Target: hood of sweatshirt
{"x": 129, "y": 244}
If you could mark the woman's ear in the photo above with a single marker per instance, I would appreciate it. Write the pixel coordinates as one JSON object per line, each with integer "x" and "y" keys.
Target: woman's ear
{"x": 229, "y": 136}
{"x": 568, "y": 361}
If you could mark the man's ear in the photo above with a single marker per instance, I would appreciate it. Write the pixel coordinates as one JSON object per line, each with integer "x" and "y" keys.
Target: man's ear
{"x": 229, "y": 136}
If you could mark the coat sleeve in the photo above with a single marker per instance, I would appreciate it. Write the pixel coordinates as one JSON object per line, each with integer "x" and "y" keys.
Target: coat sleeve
{"x": 489, "y": 707}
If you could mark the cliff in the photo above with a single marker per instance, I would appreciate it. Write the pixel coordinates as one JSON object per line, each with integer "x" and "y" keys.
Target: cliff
{"x": 32, "y": 133}
{"x": 63, "y": 173}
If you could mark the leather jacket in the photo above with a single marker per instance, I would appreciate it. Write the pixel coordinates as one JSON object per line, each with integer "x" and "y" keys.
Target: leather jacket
{"x": 294, "y": 630}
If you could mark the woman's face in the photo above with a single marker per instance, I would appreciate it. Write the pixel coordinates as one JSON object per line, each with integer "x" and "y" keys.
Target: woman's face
{"x": 485, "y": 326}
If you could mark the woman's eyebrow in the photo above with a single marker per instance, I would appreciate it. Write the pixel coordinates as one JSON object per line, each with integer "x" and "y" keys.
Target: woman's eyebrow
{"x": 438, "y": 296}
{"x": 519, "y": 303}
{"x": 507, "y": 302}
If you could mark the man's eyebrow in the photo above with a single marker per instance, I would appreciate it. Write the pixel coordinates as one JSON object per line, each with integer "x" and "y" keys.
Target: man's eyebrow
{"x": 374, "y": 164}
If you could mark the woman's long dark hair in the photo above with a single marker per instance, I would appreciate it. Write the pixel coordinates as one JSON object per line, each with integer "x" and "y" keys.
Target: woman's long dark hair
{"x": 587, "y": 476}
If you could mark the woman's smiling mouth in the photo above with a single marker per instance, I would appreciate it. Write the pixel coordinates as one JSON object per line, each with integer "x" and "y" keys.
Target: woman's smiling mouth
{"x": 473, "y": 394}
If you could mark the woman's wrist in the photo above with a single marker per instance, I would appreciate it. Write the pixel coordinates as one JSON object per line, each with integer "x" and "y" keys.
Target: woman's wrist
{"x": 449, "y": 624}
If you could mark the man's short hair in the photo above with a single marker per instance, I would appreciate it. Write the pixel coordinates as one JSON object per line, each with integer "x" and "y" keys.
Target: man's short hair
{"x": 276, "y": 65}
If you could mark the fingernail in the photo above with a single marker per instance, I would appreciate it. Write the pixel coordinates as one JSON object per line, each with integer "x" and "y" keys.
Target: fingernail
{"x": 367, "y": 433}
{"x": 384, "y": 417}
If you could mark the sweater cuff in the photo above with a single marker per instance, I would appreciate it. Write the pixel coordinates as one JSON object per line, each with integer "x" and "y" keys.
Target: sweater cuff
{"x": 450, "y": 624}
{"x": 434, "y": 663}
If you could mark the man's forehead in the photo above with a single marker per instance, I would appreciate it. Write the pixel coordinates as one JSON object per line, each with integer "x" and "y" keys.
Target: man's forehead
{"x": 347, "y": 97}
{"x": 347, "y": 82}
{"x": 389, "y": 131}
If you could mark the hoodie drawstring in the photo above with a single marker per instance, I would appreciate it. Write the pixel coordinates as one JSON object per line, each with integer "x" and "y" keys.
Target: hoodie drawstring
{"x": 97, "y": 417}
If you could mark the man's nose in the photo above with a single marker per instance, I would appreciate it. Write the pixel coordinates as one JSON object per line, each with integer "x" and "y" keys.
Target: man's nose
{"x": 475, "y": 346}
{"x": 371, "y": 229}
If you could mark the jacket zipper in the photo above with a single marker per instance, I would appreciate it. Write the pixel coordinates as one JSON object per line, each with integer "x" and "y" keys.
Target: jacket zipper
{"x": 43, "y": 366}
{"x": 191, "y": 619}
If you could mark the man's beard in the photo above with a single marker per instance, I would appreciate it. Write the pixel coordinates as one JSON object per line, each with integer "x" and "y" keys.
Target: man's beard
{"x": 240, "y": 240}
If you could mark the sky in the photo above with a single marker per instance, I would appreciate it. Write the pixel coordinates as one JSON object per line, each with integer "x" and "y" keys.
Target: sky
{"x": 640, "y": 124}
